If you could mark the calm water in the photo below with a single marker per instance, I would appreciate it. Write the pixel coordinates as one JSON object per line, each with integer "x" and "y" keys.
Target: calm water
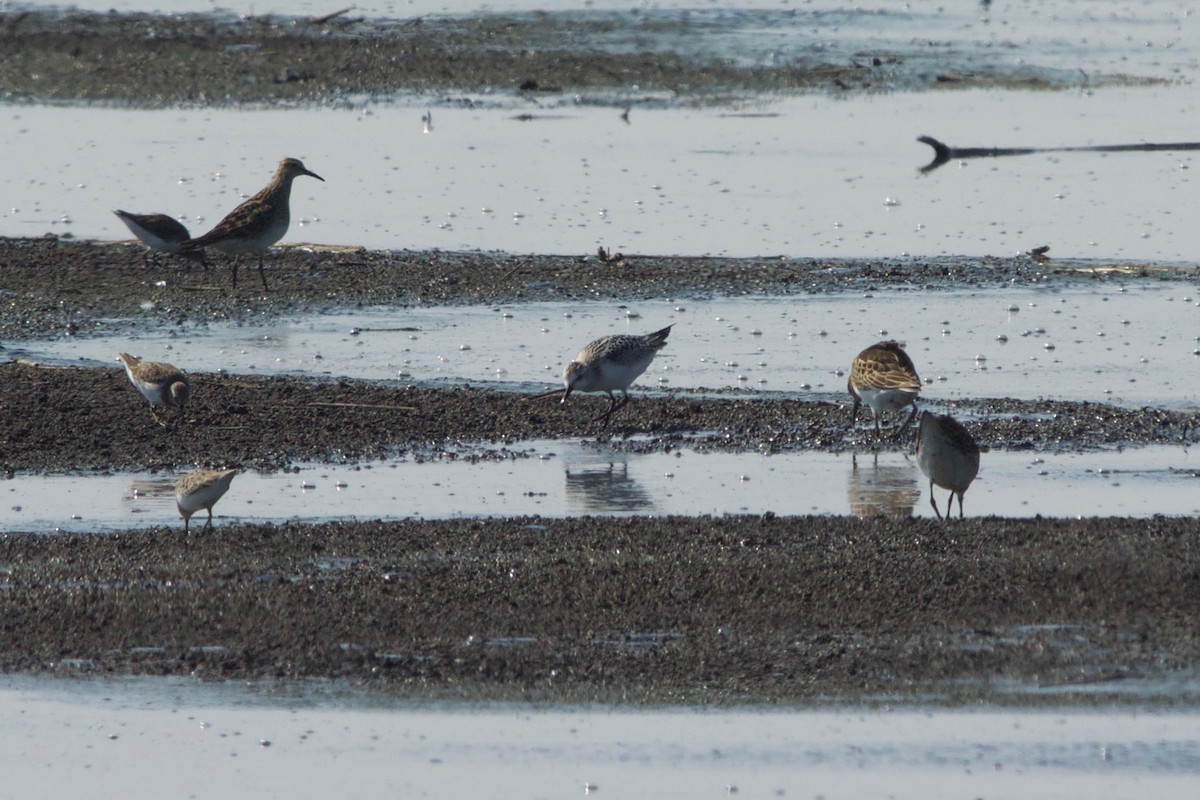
{"x": 1134, "y": 346}
{"x": 565, "y": 478}
{"x": 801, "y": 177}
{"x": 232, "y": 741}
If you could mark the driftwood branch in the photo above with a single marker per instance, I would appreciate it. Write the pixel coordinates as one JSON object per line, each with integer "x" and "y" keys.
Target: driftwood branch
{"x": 944, "y": 152}
{"x": 327, "y": 17}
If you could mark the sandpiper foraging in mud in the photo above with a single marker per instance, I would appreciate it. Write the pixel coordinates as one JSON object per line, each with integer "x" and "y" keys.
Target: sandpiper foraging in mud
{"x": 949, "y": 457}
{"x": 161, "y": 234}
{"x": 160, "y": 383}
{"x": 197, "y": 490}
{"x": 611, "y": 364}
{"x": 257, "y": 223}
{"x": 884, "y": 377}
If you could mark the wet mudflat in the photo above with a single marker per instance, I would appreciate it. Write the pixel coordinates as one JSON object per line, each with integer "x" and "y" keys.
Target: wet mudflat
{"x": 671, "y": 610}
{"x": 662, "y": 610}
{"x": 151, "y": 60}
{"x": 729, "y": 609}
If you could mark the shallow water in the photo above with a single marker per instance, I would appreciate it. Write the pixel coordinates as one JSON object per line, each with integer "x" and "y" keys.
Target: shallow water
{"x": 230, "y": 740}
{"x": 800, "y": 177}
{"x": 1133, "y": 346}
{"x": 569, "y": 478}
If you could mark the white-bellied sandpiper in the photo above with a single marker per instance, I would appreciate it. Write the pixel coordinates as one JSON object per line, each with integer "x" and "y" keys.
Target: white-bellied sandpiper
{"x": 610, "y": 364}
{"x": 948, "y": 456}
{"x": 197, "y": 490}
{"x": 160, "y": 383}
{"x": 258, "y": 223}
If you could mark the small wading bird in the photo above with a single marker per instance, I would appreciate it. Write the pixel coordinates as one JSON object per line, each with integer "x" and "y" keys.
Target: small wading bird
{"x": 948, "y": 456}
{"x": 160, "y": 383}
{"x": 256, "y": 224}
{"x": 610, "y": 364}
{"x": 160, "y": 234}
{"x": 883, "y": 377}
{"x": 197, "y": 490}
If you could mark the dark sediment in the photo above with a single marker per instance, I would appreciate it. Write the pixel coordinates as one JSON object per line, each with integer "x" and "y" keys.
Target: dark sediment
{"x": 162, "y": 60}
{"x": 674, "y": 610}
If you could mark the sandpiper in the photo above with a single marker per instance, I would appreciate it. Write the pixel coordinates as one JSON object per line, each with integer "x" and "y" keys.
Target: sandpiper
{"x": 883, "y": 377}
{"x": 160, "y": 234}
{"x": 258, "y": 223}
{"x": 197, "y": 490}
{"x": 160, "y": 383}
{"x": 948, "y": 456}
{"x": 609, "y": 364}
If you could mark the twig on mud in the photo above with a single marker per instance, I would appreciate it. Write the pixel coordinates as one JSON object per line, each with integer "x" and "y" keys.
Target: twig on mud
{"x": 328, "y": 17}
{"x": 362, "y": 405}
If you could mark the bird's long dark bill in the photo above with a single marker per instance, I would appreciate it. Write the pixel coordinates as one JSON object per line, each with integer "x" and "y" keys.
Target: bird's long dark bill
{"x": 314, "y": 175}
{"x": 544, "y": 395}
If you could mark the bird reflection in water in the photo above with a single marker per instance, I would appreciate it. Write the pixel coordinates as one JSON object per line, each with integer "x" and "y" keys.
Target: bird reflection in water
{"x": 606, "y": 488}
{"x": 875, "y": 489}
{"x": 148, "y": 494}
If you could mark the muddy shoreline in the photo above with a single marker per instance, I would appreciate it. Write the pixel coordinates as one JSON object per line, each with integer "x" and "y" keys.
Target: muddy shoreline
{"x": 726, "y": 610}
{"x": 155, "y": 61}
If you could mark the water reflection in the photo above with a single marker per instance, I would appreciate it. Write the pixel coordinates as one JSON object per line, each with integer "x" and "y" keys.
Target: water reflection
{"x": 594, "y": 479}
{"x": 150, "y": 495}
{"x": 875, "y": 489}
{"x": 605, "y": 488}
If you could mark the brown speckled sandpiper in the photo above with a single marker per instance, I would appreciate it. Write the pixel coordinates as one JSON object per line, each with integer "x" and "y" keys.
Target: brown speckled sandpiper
{"x": 883, "y": 377}
{"x": 197, "y": 490}
{"x": 258, "y": 223}
{"x": 160, "y": 383}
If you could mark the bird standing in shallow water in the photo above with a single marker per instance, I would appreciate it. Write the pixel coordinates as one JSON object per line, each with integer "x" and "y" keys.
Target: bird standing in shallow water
{"x": 258, "y": 223}
{"x": 948, "y": 456}
{"x": 160, "y": 234}
{"x": 197, "y": 490}
{"x": 160, "y": 383}
{"x": 611, "y": 364}
{"x": 883, "y": 377}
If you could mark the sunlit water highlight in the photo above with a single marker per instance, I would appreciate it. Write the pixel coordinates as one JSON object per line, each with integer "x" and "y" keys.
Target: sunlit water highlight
{"x": 236, "y": 741}
{"x": 1135, "y": 346}
{"x": 559, "y": 479}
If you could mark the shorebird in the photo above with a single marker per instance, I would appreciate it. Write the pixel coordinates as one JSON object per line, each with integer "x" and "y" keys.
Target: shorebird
{"x": 883, "y": 377}
{"x": 611, "y": 364}
{"x": 197, "y": 490}
{"x": 160, "y": 383}
{"x": 160, "y": 234}
{"x": 948, "y": 456}
{"x": 258, "y": 223}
